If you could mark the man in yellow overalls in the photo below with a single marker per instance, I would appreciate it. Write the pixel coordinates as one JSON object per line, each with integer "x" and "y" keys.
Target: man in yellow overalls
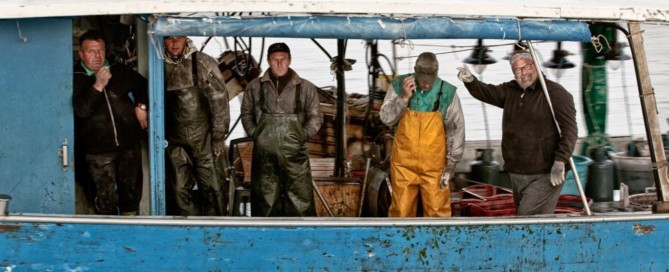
{"x": 429, "y": 140}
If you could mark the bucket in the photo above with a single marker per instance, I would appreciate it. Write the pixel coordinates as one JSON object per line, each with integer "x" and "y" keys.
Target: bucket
{"x": 582, "y": 164}
{"x": 635, "y": 172}
{"x": 484, "y": 168}
{"x": 4, "y": 202}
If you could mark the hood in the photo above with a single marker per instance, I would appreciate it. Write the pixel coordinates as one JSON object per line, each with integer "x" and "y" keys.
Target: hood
{"x": 188, "y": 51}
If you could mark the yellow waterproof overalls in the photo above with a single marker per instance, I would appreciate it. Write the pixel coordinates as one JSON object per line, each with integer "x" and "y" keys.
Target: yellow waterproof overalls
{"x": 418, "y": 159}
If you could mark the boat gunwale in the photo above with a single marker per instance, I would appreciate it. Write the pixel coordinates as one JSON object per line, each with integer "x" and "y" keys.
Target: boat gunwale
{"x": 327, "y": 222}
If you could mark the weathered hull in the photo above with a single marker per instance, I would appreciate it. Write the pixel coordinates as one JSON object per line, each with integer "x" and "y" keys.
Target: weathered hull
{"x": 623, "y": 243}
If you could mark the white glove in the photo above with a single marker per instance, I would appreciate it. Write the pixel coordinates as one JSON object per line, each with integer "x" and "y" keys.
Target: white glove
{"x": 446, "y": 176}
{"x": 464, "y": 74}
{"x": 557, "y": 173}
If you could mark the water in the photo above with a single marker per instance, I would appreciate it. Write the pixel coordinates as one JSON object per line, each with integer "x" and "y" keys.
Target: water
{"x": 311, "y": 63}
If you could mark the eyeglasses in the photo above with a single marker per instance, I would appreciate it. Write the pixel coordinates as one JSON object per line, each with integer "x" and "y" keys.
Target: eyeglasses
{"x": 519, "y": 70}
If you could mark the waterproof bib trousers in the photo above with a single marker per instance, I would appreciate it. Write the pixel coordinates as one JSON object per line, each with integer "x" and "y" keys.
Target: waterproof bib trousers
{"x": 281, "y": 177}
{"x": 188, "y": 132}
{"x": 418, "y": 159}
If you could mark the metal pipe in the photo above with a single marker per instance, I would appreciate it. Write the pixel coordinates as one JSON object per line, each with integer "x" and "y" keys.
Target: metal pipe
{"x": 340, "y": 124}
{"x": 322, "y": 49}
{"x": 557, "y": 125}
{"x": 364, "y": 186}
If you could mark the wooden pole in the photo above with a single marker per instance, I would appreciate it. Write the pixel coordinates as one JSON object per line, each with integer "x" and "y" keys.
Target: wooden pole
{"x": 650, "y": 118}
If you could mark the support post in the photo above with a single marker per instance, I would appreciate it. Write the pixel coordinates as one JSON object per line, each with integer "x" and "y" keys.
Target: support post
{"x": 650, "y": 118}
{"x": 157, "y": 142}
{"x": 341, "y": 111}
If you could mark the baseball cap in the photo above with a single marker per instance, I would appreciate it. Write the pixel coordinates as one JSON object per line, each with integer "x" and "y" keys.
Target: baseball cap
{"x": 426, "y": 67}
{"x": 278, "y": 47}
{"x": 174, "y": 37}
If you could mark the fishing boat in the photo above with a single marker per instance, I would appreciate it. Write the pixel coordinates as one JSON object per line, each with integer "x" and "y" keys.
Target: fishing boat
{"x": 42, "y": 231}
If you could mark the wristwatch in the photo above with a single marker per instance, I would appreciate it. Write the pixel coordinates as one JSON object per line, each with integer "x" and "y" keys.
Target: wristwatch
{"x": 141, "y": 106}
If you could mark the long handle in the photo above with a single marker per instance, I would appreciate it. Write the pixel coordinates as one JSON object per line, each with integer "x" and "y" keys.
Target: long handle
{"x": 364, "y": 187}
{"x": 550, "y": 105}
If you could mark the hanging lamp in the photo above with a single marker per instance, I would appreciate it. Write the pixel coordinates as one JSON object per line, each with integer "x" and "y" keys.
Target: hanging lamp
{"x": 479, "y": 57}
{"x": 559, "y": 61}
{"x": 615, "y": 56}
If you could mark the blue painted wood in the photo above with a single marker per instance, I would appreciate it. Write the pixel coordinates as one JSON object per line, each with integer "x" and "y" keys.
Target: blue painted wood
{"x": 157, "y": 142}
{"x": 36, "y": 114}
{"x": 371, "y": 27}
{"x": 629, "y": 245}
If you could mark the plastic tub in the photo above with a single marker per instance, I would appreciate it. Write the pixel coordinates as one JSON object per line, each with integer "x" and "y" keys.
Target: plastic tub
{"x": 582, "y": 164}
{"x": 635, "y": 172}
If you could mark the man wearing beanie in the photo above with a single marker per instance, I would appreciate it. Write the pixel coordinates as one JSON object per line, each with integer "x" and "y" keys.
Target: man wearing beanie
{"x": 429, "y": 140}
{"x": 281, "y": 111}
{"x": 535, "y": 152}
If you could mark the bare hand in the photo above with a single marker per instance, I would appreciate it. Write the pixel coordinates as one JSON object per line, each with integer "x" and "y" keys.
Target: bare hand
{"x": 102, "y": 77}
{"x": 408, "y": 88}
{"x": 142, "y": 117}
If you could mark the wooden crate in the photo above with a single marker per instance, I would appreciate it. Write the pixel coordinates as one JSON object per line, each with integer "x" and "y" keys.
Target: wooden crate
{"x": 341, "y": 194}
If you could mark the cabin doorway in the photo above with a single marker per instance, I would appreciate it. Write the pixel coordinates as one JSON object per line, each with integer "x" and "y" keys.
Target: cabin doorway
{"x": 123, "y": 46}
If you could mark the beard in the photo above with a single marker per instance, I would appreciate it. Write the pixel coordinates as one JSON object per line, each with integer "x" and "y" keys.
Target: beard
{"x": 525, "y": 81}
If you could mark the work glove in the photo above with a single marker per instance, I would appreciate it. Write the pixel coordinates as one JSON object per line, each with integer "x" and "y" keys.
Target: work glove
{"x": 218, "y": 146}
{"x": 446, "y": 176}
{"x": 464, "y": 74}
{"x": 557, "y": 173}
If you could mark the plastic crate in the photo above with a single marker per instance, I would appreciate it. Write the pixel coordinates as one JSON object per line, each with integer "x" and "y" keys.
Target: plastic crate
{"x": 567, "y": 210}
{"x": 457, "y": 206}
{"x": 573, "y": 201}
{"x": 499, "y": 205}
{"x": 482, "y": 191}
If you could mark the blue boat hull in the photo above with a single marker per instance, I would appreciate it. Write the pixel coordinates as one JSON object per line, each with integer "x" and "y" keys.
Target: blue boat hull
{"x": 630, "y": 243}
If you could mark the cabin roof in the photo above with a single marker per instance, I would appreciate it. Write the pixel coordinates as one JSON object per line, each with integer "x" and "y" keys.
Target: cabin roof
{"x": 610, "y": 10}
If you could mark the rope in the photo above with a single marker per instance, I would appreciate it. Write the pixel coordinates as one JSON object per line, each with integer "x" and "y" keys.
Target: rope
{"x": 406, "y": 40}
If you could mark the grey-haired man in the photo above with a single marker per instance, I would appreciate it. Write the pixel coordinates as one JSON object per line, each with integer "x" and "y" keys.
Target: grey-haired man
{"x": 535, "y": 154}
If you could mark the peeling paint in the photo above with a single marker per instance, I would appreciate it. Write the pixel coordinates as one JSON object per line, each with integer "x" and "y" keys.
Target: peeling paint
{"x": 6, "y": 228}
{"x": 643, "y": 230}
{"x": 129, "y": 249}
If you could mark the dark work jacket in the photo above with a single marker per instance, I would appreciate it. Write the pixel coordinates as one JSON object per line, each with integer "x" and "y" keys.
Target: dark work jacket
{"x": 100, "y": 132}
{"x": 530, "y": 139}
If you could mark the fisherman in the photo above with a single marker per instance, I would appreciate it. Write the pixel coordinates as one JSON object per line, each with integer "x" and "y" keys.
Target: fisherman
{"x": 429, "y": 140}
{"x": 534, "y": 151}
{"x": 281, "y": 111}
{"x": 109, "y": 123}
{"x": 197, "y": 116}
